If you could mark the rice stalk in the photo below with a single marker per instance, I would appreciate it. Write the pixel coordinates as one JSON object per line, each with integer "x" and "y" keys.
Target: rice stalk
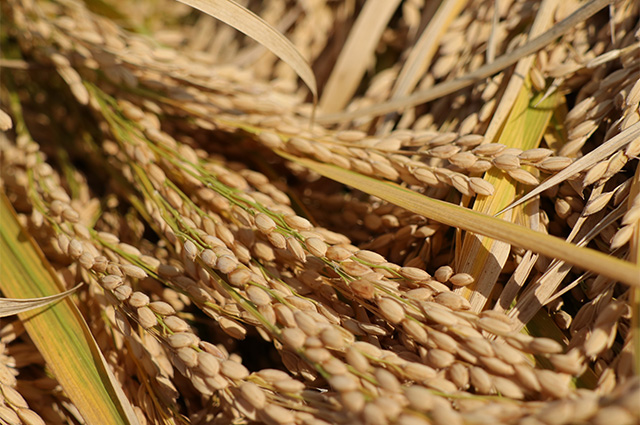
{"x": 356, "y": 55}
{"x": 415, "y": 202}
{"x": 483, "y": 258}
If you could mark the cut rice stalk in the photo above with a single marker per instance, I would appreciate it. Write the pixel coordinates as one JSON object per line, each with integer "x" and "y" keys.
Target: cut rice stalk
{"x": 482, "y": 257}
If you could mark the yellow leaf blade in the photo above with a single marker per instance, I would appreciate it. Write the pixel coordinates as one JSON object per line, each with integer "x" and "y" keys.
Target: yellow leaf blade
{"x": 453, "y": 215}
{"x": 58, "y": 331}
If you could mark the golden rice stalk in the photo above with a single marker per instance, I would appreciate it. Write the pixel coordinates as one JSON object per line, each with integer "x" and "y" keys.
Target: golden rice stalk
{"x": 356, "y": 54}
{"x": 189, "y": 233}
{"x": 481, "y": 257}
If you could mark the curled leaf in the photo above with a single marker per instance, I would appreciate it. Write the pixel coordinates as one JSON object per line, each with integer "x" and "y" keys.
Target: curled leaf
{"x": 245, "y": 21}
{"x": 10, "y": 306}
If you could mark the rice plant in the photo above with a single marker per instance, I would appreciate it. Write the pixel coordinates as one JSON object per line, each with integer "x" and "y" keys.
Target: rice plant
{"x": 312, "y": 212}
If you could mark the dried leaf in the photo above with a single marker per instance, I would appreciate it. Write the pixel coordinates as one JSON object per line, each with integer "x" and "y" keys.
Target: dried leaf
{"x": 245, "y": 21}
{"x": 10, "y": 306}
{"x": 356, "y": 54}
{"x": 466, "y": 219}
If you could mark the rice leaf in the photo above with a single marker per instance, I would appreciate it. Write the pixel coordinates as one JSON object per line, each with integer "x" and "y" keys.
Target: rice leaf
{"x": 10, "y": 306}
{"x": 355, "y": 57}
{"x": 59, "y": 330}
{"x": 245, "y": 21}
{"x": 601, "y": 152}
{"x": 466, "y": 219}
